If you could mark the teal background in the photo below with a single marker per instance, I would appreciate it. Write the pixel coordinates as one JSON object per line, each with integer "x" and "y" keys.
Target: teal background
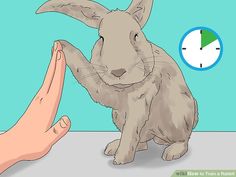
{"x": 26, "y": 40}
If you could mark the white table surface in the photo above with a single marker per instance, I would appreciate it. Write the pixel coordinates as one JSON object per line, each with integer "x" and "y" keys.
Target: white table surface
{"x": 81, "y": 154}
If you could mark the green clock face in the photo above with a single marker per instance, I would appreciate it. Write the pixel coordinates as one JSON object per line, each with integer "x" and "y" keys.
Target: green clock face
{"x": 201, "y": 48}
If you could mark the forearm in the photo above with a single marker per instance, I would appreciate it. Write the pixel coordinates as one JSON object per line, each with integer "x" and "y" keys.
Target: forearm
{"x": 136, "y": 118}
{"x": 137, "y": 115}
{"x": 131, "y": 132}
{"x": 79, "y": 65}
{"x": 87, "y": 76}
{"x": 8, "y": 156}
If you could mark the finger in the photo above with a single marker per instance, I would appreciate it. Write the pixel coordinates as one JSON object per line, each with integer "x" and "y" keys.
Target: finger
{"x": 51, "y": 68}
{"x": 58, "y": 79}
{"x": 60, "y": 129}
{"x": 55, "y": 90}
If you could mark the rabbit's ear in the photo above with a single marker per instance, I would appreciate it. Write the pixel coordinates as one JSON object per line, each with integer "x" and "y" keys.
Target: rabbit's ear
{"x": 91, "y": 13}
{"x": 140, "y": 10}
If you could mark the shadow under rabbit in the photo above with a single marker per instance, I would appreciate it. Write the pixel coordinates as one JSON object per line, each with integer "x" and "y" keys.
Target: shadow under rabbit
{"x": 151, "y": 158}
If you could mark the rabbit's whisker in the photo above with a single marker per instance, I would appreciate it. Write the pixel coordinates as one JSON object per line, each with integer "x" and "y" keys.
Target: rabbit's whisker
{"x": 139, "y": 62}
{"x": 147, "y": 60}
{"x": 140, "y": 68}
{"x": 143, "y": 69}
{"x": 151, "y": 62}
{"x": 152, "y": 59}
{"x": 101, "y": 76}
{"x": 90, "y": 67}
{"x": 153, "y": 56}
{"x": 91, "y": 75}
{"x": 98, "y": 79}
{"x": 97, "y": 65}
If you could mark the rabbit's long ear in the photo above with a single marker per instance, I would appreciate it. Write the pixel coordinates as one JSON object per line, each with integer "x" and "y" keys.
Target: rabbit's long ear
{"x": 140, "y": 10}
{"x": 89, "y": 12}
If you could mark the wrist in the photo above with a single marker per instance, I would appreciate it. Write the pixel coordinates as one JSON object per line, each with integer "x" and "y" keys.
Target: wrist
{"x": 8, "y": 152}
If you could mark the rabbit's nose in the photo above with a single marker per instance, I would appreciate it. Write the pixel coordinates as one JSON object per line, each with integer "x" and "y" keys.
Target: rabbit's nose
{"x": 118, "y": 72}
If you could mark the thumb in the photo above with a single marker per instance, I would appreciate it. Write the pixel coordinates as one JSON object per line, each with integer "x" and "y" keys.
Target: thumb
{"x": 59, "y": 130}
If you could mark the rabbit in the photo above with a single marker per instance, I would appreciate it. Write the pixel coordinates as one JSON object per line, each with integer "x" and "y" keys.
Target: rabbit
{"x": 143, "y": 85}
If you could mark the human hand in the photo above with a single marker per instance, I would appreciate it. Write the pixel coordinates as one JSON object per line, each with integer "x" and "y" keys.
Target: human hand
{"x": 33, "y": 135}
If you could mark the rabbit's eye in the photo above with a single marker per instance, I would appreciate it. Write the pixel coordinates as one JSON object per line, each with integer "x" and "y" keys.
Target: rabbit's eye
{"x": 101, "y": 37}
{"x": 136, "y": 37}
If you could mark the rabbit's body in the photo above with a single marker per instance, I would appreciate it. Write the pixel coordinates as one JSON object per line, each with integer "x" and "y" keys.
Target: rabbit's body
{"x": 169, "y": 94}
{"x": 163, "y": 97}
{"x": 170, "y": 116}
{"x": 138, "y": 80}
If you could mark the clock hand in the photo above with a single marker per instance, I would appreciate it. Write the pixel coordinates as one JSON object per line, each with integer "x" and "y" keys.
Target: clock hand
{"x": 201, "y": 40}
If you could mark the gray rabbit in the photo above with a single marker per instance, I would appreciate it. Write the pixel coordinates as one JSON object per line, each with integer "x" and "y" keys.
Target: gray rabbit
{"x": 140, "y": 82}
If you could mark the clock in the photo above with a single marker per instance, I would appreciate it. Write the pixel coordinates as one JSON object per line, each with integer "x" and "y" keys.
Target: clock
{"x": 201, "y": 48}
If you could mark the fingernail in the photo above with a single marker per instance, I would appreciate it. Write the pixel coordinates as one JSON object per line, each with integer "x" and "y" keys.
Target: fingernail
{"x": 55, "y": 45}
{"x": 58, "y": 55}
{"x": 52, "y": 51}
{"x": 64, "y": 122}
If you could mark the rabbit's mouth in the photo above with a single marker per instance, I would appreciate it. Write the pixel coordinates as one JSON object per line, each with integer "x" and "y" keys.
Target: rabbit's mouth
{"x": 120, "y": 79}
{"x": 122, "y": 86}
{"x": 128, "y": 80}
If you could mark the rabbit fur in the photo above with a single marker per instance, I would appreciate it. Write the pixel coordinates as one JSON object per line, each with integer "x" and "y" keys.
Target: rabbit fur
{"x": 143, "y": 85}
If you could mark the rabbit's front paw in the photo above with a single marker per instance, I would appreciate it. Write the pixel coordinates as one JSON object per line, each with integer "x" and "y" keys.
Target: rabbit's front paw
{"x": 111, "y": 148}
{"x": 122, "y": 159}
